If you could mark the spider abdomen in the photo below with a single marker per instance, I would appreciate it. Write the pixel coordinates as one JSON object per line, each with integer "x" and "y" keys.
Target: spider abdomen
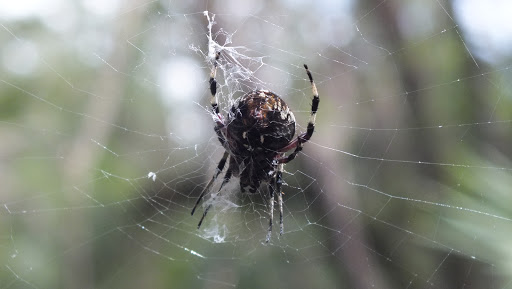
{"x": 259, "y": 122}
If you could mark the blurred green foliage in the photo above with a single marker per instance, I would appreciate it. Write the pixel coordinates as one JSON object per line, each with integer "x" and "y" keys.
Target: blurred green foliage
{"x": 404, "y": 185}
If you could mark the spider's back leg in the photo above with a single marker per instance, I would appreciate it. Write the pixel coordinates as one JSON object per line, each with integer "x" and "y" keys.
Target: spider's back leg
{"x": 219, "y": 169}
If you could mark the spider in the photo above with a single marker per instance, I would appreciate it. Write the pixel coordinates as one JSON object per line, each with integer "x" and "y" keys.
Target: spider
{"x": 257, "y": 133}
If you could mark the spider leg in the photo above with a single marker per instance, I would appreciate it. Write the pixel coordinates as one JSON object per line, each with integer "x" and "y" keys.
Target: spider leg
{"x": 279, "y": 182}
{"x": 274, "y": 188}
{"x": 227, "y": 176}
{"x": 219, "y": 130}
{"x": 219, "y": 169}
{"x": 204, "y": 215}
{"x": 304, "y": 137}
{"x": 220, "y": 127}
{"x": 213, "y": 85}
{"x": 271, "y": 207}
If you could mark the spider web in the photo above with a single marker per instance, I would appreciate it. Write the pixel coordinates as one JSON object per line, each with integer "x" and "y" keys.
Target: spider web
{"x": 107, "y": 140}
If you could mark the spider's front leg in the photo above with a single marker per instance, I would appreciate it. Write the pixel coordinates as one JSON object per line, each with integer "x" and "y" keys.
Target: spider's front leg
{"x": 304, "y": 137}
{"x": 213, "y": 85}
{"x": 220, "y": 127}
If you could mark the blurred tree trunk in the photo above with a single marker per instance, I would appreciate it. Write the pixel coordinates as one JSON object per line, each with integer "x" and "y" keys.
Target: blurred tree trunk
{"x": 78, "y": 264}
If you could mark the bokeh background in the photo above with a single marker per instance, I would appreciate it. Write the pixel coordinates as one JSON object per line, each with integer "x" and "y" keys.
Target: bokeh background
{"x": 106, "y": 141}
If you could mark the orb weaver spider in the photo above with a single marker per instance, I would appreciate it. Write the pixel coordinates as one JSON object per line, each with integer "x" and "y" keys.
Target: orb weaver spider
{"x": 258, "y": 131}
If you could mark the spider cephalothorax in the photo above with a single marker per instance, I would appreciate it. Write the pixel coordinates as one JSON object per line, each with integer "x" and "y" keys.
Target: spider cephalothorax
{"x": 257, "y": 133}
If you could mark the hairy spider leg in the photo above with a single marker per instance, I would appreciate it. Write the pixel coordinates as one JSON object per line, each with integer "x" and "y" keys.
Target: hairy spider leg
{"x": 227, "y": 176}
{"x": 274, "y": 187}
{"x": 213, "y": 85}
{"x": 219, "y": 169}
{"x": 279, "y": 182}
{"x": 304, "y": 137}
{"x": 271, "y": 209}
{"x": 220, "y": 127}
